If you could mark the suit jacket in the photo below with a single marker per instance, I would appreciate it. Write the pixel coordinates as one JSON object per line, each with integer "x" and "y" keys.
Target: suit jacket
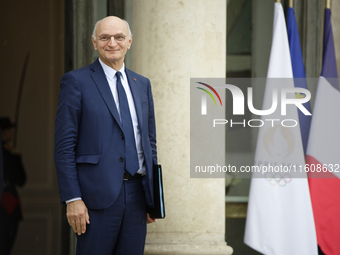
{"x": 13, "y": 175}
{"x": 1, "y": 170}
{"x": 89, "y": 141}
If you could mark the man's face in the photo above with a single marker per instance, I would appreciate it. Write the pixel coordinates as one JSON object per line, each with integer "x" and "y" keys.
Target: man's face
{"x": 112, "y": 52}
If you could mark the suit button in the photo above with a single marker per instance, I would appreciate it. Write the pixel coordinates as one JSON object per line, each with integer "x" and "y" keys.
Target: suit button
{"x": 122, "y": 136}
{"x": 121, "y": 159}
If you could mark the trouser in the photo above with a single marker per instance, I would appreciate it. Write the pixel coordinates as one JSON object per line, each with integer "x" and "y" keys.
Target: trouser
{"x": 8, "y": 232}
{"x": 119, "y": 229}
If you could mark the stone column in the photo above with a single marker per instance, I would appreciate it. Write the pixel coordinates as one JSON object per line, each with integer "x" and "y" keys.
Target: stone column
{"x": 174, "y": 41}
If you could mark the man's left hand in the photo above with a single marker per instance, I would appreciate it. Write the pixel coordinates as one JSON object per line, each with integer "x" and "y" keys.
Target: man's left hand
{"x": 149, "y": 219}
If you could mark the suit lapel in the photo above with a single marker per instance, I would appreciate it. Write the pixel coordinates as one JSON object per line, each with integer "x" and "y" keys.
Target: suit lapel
{"x": 134, "y": 87}
{"x": 100, "y": 80}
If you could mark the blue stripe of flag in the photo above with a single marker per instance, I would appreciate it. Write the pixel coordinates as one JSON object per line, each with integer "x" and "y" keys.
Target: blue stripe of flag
{"x": 329, "y": 68}
{"x": 298, "y": 72}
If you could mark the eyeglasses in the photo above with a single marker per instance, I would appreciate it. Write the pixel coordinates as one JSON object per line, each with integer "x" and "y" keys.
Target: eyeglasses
{"x": 107, "y": 38}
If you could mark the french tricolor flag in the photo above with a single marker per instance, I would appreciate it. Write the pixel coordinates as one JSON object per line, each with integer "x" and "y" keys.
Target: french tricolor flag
{"x": 324, "y": 149}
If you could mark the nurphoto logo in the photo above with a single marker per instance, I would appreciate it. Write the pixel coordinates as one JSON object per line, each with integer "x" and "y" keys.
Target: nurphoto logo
{"x": 280, "y": 97}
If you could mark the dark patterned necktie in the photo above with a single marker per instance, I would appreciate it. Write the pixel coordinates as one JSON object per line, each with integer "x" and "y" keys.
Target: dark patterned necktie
{"x": 131, "y": 157}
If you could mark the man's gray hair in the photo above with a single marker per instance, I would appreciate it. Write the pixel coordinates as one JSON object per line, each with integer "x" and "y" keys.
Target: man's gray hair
{"x": 95, "y": 28}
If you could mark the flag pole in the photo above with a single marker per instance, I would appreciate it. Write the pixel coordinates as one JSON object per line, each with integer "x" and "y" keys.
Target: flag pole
{"x": 328, "y": 4}
{"x": 291, "y": 3}
{"x": 277, "y": 1}
{"x": 17, "y": 108}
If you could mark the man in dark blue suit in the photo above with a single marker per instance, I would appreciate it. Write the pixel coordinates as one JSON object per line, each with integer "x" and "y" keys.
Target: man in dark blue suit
{"x": 105, "y": 147}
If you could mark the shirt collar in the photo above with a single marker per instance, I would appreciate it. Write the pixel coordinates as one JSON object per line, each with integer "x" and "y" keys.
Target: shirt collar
{"x": 110, "y": 72}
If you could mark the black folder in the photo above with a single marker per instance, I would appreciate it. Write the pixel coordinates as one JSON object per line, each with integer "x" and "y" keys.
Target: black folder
{"x": 158, "y": 211}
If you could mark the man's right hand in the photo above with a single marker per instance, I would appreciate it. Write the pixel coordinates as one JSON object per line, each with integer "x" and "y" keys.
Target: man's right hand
{"x": 77, "y": 216}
